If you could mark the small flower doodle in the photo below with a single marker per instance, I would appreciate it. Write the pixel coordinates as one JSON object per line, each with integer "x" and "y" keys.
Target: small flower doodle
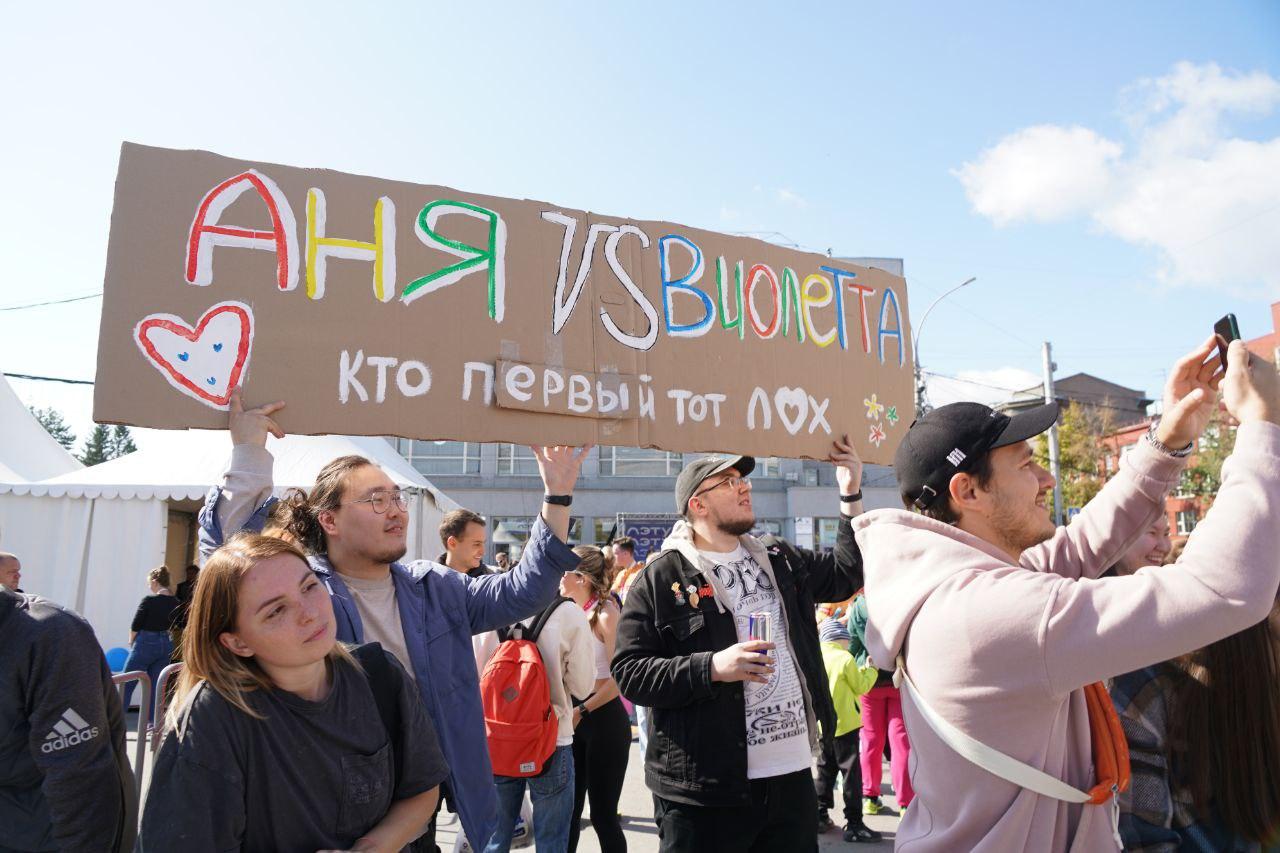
{"x": 874, "y": 407}
{"x": 892, "y": 415}
{"x": 877, "y": 434}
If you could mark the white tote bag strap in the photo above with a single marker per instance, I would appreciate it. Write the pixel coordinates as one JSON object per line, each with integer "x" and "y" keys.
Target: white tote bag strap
{"x": 991, "y": 760}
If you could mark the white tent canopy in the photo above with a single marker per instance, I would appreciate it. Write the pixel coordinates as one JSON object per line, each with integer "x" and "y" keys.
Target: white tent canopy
{"x": 27, "y": 451}
{"x": 87, "y": 538}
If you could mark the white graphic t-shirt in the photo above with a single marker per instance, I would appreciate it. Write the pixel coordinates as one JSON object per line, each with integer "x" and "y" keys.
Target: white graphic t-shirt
{"x": 777, "y": 732}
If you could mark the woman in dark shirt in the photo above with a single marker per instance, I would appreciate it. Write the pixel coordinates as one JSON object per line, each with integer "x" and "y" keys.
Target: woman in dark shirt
{"x": 276, "y": 739}
{"x": 150, "y": 648}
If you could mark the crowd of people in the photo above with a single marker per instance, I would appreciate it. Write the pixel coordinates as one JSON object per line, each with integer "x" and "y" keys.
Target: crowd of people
{"x": 1035, "y": 687}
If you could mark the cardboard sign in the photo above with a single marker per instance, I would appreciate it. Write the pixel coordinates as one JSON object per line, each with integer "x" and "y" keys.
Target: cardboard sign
{"x": 375, "y": 307}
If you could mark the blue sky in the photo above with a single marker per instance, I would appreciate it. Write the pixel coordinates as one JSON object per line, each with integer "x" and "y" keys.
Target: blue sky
{"x": 1109, "y": 172}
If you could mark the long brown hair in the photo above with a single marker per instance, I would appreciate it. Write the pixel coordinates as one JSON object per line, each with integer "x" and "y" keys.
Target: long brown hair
{"x": 298, "y": 512}
{"x": 596, "y": 569}
{"x": 1225, "y": 730}
{"x": 214, "y": 609}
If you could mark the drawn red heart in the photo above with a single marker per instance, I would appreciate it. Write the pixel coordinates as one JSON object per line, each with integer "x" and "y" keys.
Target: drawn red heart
{"x": 218, "y": 365}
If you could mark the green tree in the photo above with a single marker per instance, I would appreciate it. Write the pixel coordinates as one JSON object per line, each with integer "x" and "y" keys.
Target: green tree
{"x": 97, "y": 447}
{"x": 1082, "y": 453}
{"x": 121, "y": 442}
{"x": 106, "y": 443}
{"x": 51, "y": 420}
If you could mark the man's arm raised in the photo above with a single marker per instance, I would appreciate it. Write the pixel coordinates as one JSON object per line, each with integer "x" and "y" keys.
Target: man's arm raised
{"x": 243, "y": 499}
{"x": 502, "y": 599}
{"x": 838, "y": 575}
{"x": 1132, "y": 500}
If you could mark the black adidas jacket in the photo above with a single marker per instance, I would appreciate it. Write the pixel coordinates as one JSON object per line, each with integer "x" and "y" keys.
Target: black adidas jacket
{"x": 65, "y": 781}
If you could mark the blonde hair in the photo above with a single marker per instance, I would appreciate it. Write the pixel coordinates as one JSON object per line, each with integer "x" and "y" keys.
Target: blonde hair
{"x": 214, "y": 609}
{"x": 596, "y": 568}
{"x": 159, "y": 576}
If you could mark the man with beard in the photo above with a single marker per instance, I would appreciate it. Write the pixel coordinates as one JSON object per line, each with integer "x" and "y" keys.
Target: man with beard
{"x": 733, "y": 721}
{"x": 1003, "y": 630}
{"x": 353, "y": 524}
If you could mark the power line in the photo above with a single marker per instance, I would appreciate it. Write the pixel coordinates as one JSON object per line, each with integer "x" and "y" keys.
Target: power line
{"x": 974, "y": 314}
{"x": 48, "y": 379}
{"x": 52, "y": 302}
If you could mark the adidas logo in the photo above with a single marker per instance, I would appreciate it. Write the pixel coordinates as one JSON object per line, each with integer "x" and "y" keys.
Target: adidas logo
{"x": 70, "y": 730}
{"x": 955, "y": 457}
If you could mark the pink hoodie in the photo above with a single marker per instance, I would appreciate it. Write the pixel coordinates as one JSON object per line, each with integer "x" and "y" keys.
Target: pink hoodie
{"x": 1002, "y": 651}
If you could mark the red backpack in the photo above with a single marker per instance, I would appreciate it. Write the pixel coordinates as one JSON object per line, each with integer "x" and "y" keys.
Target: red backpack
{"x": 518, "y": 716}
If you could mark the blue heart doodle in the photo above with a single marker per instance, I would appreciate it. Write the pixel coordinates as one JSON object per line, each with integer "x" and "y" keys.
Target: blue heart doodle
{"x": 184, "y": 355}
{"x": 217, "y": 347}
{"x": 212, "y": 381}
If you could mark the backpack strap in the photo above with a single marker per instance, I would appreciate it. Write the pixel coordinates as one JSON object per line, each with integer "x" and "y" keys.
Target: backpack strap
{"x": 1111, "y": 754}
{"x": 540, "y": 621}
{"x": 377, "y": 669}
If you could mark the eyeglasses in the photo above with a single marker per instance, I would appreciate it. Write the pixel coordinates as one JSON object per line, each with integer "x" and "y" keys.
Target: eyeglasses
{"x": 732, "y": 482}
{"x": 382, "y": 500}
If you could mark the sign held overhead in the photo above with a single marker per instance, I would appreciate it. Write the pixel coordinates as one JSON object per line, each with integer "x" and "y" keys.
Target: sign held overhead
{"x": 377, "y": 307}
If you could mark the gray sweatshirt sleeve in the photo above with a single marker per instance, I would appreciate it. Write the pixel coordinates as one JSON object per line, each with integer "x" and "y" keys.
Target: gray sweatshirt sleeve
{"x": 71, "y": 737}
{"x": 241, "y": 501}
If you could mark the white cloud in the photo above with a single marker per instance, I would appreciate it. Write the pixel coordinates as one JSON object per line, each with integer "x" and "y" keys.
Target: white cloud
{"x": 1044, "y": 172}
{"x": 1207, "y": 201}
{"x": 988, "y": 387}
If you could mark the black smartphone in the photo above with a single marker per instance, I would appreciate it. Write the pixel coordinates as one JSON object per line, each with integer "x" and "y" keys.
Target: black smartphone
{"x": 1226, "y": 331}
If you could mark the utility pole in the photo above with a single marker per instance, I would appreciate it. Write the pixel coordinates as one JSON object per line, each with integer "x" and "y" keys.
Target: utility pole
{"x": 1055, "y": 467}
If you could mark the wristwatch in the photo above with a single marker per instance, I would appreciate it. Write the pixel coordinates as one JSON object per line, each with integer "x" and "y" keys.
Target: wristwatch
{"x": 853, "y": 498}
{"x": 1164, "y": 448}
{"x": 582, "y": 708}
{"x": 558, "y": 500}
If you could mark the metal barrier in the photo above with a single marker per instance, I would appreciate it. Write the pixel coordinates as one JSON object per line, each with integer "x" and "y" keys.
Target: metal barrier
{"x": 144, "y": 717}
{"x": 162, "y": 700}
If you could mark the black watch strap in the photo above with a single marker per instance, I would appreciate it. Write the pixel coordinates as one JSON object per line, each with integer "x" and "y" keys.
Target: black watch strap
{"x": 853, "y": 498}
{"x": 558, "y": 500}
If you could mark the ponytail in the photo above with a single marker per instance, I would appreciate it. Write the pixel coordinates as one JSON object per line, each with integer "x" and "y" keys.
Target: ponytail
{"x": 296, "y": 517}
{"x": 596, "y": 567}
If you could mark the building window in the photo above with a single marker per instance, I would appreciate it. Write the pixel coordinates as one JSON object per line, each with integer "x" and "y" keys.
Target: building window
{"x": 515, "y": 460}
{"x": 826, "y": 529}
{"x": 510, "y": 533}
{"x": 638, "y": 462}
{"x": 767, "y": 466}
{"x": 602, "y": 527}
{"x": 1186, "y": 521}
{"x": 440, "y": 457}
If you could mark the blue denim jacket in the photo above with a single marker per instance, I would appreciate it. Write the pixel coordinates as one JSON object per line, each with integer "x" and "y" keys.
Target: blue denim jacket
{"x": 439, "y": 611}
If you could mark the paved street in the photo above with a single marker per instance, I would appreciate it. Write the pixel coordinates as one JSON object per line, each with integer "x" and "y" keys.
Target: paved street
{"x": 636, "y": 807}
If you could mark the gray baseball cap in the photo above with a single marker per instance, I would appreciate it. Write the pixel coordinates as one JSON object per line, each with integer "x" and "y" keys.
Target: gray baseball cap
{"x": 698, "y": 470}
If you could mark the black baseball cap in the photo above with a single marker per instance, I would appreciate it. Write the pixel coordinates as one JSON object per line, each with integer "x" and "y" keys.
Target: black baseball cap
{"x": 953, "y": 438}
{"x": 700, "y": 469}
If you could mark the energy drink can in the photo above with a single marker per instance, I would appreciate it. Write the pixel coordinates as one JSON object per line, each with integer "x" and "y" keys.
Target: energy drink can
{"x": 758, "y": 627}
